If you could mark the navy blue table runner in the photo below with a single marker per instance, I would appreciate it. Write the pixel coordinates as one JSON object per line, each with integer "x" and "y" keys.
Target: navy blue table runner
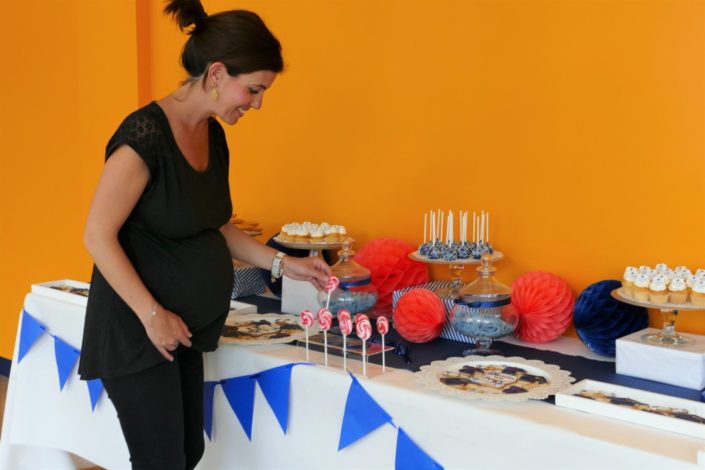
{"x": 421, "y": 354}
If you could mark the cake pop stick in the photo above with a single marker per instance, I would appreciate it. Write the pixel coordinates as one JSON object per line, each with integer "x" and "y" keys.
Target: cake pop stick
{"x": 345, "y": 324}
{"x": 488, "y": 228}
{"x": 306, "y": 321}
{"x": 383, "y": 328}
{"x": 425, "y": 217}
{"x": 330, "y": 286}
{"x": 363, "y": 328}
{"x": 325, "y": 320}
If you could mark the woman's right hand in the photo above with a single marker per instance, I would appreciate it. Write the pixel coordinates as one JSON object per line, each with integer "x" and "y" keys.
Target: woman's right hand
{"x": 166, "y": 331}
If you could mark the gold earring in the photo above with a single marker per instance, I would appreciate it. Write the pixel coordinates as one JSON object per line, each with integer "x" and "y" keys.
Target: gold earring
{"x": 214, "y": 94}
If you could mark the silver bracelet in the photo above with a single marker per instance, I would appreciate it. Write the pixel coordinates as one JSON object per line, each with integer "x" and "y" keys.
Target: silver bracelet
{"x": 277, "y": 266}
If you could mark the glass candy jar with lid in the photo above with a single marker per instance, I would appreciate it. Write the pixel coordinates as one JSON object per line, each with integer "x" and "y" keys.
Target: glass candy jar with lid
{"x": 483, "y": 310}
{"x": 355, "y": 293}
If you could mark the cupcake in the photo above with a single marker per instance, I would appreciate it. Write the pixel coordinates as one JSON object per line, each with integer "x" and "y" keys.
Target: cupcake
{"x": 302, "y": 234}
{"x": 285, "y": 234}
{"x": 697, "y": 295}
{"x": 658, "y": 290}
{"x": 700, "y": 272}
{"x": 640, "y": 289}
{"x": 628, "y": 282}
{"x": 330, "y": 235}
{"x": 678, "y": 291}
{"x": 316, "y": 235}
{"x": 661, "y": 268}
{"x": 682, "y": 271}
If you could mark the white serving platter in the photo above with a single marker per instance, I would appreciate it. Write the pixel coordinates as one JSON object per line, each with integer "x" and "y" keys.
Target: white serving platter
{"x": 656, "y": 402}
{"x": 49, "y": 289}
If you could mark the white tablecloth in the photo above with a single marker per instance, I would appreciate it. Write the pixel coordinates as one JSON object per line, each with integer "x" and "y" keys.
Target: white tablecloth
{"x": 41, "y": 421}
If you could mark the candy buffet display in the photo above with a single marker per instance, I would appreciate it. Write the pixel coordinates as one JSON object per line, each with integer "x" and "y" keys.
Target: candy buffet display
{"x": 270, "y": 328}
{"x": 494, "y": 378}
{"x": 483, "y": 311}
{"x": 354, "y": 291}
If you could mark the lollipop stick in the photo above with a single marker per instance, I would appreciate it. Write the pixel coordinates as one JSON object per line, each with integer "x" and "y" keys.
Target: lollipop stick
{"x": 384, "y": 365}
{"x": 345, "y": 353}
{"x": 307, "y": 360}
{"x": 328, "y": 300}
{"x": 325, "y": 347}
{"x": 364, "y": 358}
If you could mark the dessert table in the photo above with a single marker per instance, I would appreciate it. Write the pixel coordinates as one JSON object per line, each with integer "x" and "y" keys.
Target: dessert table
{"x": 42, "y": 423}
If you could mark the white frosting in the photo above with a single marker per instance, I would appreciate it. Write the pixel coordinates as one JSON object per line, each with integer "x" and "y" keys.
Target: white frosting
{"x": 690, "y": 280}
{"x": 301, "y": 231}
{"x": 317, "y": 233}
{"x": 630, "y": 273}
{"x": 699, "y": 286}
{"x": 700, "y": 272}
{"x": 661, "y": 268}
{"x": 642, "y": 280}
{"x": 342, "y": 230}
{"x": 659, "y": 283}
{"x": 682, "y": 271}
{"x": 677, "y": 284}
{"x": 645, "y": 270}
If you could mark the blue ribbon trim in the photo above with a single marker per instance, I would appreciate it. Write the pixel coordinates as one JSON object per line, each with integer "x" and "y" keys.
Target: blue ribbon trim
{"x": 490, "y": 304}
{"x": 348, "y": 285}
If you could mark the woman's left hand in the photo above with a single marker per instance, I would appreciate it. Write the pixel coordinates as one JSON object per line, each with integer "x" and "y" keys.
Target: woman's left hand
{"x": 312, "y": 269}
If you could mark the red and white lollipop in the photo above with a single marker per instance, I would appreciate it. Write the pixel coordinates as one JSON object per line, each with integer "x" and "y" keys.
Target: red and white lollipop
{"x": 306, "y": 318}
{"x": 325, "y": 320}
{"x": 363, "y": 328}
{"x": 330, "y": 286}
{"x": 383, "y": 329}
{"x": 346, "y": 327}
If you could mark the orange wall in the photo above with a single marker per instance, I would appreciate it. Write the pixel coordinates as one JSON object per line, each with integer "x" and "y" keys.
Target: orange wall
{"x": 579, "y": 125}
{"x": 69, "y": 73}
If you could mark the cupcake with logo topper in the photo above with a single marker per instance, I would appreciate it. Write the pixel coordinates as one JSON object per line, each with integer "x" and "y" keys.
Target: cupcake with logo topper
{"x": 641, "y": 287}
{"x": 697, "y": 295}
{"x": 678, "y": 291}
{"x": 658, "y": 289}
{"x": 629, "y": 277}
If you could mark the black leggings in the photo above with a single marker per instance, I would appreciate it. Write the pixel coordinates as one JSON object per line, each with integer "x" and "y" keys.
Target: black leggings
{"x": 161, "y": 412}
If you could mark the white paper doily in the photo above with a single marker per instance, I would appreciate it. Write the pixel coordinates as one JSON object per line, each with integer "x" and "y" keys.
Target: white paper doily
{"x": 556, "y": 378}
{"x": 271, "y": 318}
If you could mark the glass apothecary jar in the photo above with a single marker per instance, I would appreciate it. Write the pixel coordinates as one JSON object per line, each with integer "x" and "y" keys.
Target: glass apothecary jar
{"x": 355, "y": 293}
{"x": 483, "y": 310}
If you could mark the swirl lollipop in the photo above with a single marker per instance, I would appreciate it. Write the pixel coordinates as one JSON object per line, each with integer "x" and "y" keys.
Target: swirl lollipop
{"x": 330, "y": 286}
{"x": 306, "y": 321}
{"x": 325, "y": 320}
{"x": 363, "y": 328}
{"x": 383, "y": 329}
{"x": 346, "y": 327}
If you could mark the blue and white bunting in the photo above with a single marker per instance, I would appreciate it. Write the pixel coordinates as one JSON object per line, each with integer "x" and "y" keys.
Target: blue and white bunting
{"x": 208, "y": 395}
{"x": 30, "y": 331}
{"x": 240, "y": 392}
{"x": 409, "y": 456}
{"x": 275, "y": 384}
{"x": 362, "y": 415}
{"x": 95, "y": 389}
{"x": 66, "y": 357}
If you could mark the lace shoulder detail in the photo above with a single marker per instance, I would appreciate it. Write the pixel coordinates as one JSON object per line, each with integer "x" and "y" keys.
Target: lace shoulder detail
{"x": 141, "y": 127}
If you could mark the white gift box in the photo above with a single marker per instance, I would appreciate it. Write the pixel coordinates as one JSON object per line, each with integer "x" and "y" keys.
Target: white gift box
{"x": 683, "y": 366}
{"x": 298, "y": 296}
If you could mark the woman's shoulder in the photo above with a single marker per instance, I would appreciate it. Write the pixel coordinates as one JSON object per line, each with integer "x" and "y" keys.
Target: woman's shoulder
{"x": 145, "y": 124}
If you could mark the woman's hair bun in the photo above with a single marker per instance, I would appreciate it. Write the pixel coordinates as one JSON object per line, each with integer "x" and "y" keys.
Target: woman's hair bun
{"x": 186, "y": 13}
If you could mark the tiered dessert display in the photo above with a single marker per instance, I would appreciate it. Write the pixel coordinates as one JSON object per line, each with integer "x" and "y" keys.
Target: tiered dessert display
{"x": 667, "y": 290}
{"x": 455, "y": 253}
{"x": 312, "y": 237}
{"x": 354, "y": 291}
{"x": 483, "y": 310}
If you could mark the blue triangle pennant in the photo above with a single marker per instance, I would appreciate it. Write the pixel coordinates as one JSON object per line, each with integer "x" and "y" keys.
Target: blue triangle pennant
{"x": 275, "y": 387}
{"x": 208, "y": 393}
{"x": 30, "y": 330}
{"x": 95, "y": 388}
{"x": 66, "y": 357}
{"x": 240, "y": 392}
{"x": 362, "y": 415}
{"x": 411, "y": 457}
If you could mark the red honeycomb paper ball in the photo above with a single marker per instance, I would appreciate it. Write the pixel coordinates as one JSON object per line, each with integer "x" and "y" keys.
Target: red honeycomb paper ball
{"x": 392, "y": 269}
{"x": 420, "y": 316}
{"x": 544, "y": 303}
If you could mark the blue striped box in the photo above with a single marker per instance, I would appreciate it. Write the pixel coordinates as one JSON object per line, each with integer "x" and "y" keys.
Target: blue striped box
{"x": 448, "y": 331}
{"x": 248, "y": 281}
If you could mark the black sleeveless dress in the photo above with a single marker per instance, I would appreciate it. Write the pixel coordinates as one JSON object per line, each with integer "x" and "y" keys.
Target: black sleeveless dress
{"x": 172, "y": 239}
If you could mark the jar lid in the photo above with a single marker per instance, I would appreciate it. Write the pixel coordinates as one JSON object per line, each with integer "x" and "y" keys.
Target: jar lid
{"x": 485, "y": 288}
{"x": 346, "y": 269}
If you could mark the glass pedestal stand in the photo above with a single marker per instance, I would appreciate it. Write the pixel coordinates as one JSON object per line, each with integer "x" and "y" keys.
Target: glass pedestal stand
{"x": 667, "y": 336}
{"x": 456, "y": 268}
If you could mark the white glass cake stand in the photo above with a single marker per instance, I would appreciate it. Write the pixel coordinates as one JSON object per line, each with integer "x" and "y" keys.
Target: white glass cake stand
{"x": 314, "y": 249}
{"x": 456, "y": 268}
{"x": 668, "y": 335}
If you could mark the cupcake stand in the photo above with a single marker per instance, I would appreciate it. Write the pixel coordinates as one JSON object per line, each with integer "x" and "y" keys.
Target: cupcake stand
{"x": 668, "y": 335}
{"x": 314, "y": 249}
{"x": 456, "y": 268}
